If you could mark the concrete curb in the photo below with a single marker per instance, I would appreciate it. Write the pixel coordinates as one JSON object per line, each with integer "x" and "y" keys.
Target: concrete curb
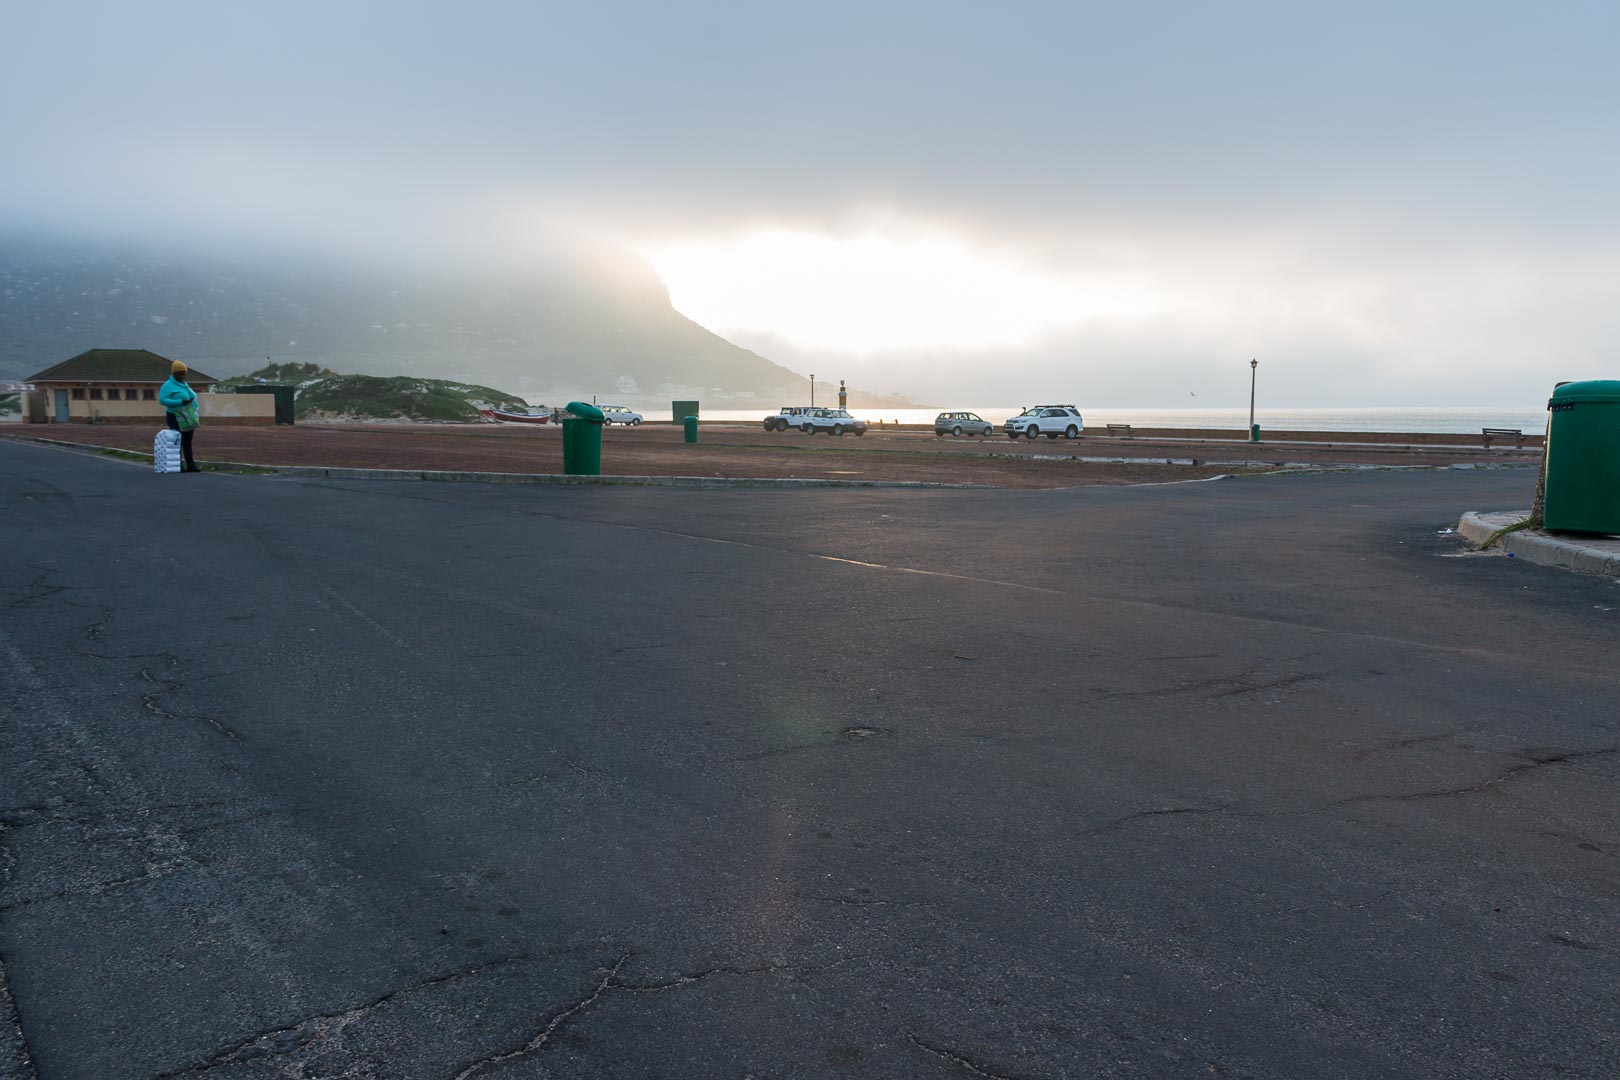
{"x": 319, "y": 472}
{"x": 1593, "y": 556}
{"x": 563, "y": 480}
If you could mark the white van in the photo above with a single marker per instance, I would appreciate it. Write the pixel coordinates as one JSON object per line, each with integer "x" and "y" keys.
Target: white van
{"x": 619, "y": 414}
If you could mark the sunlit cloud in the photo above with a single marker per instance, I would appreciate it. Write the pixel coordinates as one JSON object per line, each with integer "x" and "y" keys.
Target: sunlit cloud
{"x": 874, "y": 292}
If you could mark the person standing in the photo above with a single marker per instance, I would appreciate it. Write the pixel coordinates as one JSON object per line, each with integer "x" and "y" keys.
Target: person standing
{"x": 180, "y": 401}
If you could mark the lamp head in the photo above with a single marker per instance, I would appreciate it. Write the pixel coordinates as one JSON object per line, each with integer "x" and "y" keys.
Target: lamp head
{"x": 1254, "y": 364}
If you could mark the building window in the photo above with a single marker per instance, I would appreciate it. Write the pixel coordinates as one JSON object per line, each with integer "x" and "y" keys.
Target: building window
{"x": 78, "y": 393}
{"x": 148, "y": 395}
{"x": 95, "y": 393}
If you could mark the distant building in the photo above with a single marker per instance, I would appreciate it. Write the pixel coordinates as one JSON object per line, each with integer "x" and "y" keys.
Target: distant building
{"x": 119, "y": 386}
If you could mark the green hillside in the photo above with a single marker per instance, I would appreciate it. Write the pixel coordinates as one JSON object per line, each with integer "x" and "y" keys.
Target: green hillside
{"x": 398, "y": 398}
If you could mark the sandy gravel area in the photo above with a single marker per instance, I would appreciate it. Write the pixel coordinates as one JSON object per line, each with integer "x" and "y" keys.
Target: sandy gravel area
{"x": 736, "y": 451}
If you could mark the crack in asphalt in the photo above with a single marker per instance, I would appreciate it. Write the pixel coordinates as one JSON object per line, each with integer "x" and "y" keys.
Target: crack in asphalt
{"x": 1582, "y": 842}
{"x": 559, "y": 1017}
{"x": 611, "y": 983}
{"x": 1164, "y": 812}
{"x": 149, "y": 701}
{"x": 94, "y": 631}
{"x": 1227, "y": 686}
{"x": 27, "y": 817}
{"x": 324, "y": 1024}
{"x": 796, "y": 748}
{"x": 1363, "y": 753}
{"x": 310, "y": 1031}
{"x": 687, "y": 979}
{"x": 42, "y": 591}
{"x": 857, "y": 901}
{"x": 1537, "y": 759}
{"x": 24, "y": 1059}
{"x": 957, "y": 1059}
{"x": 101, "y": 888}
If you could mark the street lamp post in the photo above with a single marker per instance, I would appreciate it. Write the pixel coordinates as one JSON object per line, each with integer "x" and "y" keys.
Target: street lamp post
{"x": 812, "y": 390}
{"x": 1253, "y": 364}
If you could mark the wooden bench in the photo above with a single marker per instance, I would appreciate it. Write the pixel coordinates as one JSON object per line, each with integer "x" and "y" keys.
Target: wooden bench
{"x": 1123, "y": 430}
{"x": 1490, "y": 433}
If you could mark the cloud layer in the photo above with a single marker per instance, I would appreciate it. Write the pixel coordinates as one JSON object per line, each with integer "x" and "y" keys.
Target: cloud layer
{"x": 1391, "y": 201}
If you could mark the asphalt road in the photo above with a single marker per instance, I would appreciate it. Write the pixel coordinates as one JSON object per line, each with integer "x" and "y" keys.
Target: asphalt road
{"x": 1242, "y": 778}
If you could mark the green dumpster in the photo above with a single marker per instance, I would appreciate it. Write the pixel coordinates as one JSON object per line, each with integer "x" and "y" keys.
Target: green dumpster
{"x": 680, "y": 410}
{"x": 582, "y": 440}
{"x": 1583, "y": 458}
{"x": 1254, "y": 433}
{"x": 691, "y": 429}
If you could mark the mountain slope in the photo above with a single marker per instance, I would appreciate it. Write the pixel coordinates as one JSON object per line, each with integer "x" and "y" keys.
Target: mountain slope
{"x": 574, "y": 325}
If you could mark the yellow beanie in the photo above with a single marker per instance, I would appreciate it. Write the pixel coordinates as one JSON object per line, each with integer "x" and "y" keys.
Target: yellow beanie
{"x": 178, "y": 368}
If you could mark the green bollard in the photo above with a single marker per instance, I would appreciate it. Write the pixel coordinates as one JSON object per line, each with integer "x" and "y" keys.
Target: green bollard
{"x": 691, "y": 429}
{"x": 582, "y": 440}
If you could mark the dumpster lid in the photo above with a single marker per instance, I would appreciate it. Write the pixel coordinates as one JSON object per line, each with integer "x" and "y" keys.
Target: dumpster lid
{"x": 591, "y": 412}
{"x": 1590, "y": 390}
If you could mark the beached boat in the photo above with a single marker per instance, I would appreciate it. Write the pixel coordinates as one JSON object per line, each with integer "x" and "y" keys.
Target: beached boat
{"x": 516, "y": 418}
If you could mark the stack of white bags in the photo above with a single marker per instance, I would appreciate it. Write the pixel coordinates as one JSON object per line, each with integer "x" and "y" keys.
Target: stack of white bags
{"x": 166, "y": 451}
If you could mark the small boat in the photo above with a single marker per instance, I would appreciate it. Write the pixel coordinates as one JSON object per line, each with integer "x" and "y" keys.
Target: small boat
{"x": 515, "y": 417}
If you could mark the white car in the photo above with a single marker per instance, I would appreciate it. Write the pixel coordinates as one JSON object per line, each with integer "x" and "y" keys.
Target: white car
{"x": 832, "y": 421}
{"x": 788, "y": 416}
{"x": 619, "y": 414}
{"x": 1048, "y": 420}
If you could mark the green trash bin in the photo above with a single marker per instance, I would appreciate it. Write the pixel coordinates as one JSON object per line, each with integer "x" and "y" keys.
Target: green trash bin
{"x": 582, "y": 440}
{"x": 691, "y": 429}
{"x": 1583, "y": 458}
{"x": 1254, "y": 433}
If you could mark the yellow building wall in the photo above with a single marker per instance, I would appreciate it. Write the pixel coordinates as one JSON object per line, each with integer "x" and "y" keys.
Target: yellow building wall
{"x": 222, "y": 408}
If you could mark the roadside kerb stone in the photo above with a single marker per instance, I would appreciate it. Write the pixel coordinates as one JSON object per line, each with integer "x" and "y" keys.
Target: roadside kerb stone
{"x": 322, "y": 472}
{"x": 1584, "y": 555}
{"x": 611, "y": 481}
{"x": 565, "y": 480}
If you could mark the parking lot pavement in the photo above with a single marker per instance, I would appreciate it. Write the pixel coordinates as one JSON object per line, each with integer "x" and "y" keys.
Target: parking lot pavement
{"x": 1246, "y": 778}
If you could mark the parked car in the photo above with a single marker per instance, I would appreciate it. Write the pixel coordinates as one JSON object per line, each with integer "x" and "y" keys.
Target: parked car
{"x": 962, "y": 423}
{"x": 619, "y": 414}
{"x": 832, "y": 421}
{"x": 788, "y": 416}
{"x": 1048, "y": 420}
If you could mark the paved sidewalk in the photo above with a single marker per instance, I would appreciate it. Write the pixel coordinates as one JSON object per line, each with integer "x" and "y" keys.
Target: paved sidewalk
{"x": 1583, "y": 554}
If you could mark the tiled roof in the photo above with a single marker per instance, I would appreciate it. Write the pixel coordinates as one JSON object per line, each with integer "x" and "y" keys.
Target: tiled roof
{"x": 115, "y": 365}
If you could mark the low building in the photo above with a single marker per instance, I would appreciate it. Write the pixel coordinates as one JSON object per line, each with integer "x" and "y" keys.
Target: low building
{"x": 120, "y": 386}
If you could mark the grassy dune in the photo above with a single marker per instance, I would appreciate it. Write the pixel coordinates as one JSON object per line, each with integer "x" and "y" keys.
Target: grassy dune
{"x": 399, "y": 398}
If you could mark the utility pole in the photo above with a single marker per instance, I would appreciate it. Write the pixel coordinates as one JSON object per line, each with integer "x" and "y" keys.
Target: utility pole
{"x": 812, "y": 389}
{"x": 1253, "y": 364}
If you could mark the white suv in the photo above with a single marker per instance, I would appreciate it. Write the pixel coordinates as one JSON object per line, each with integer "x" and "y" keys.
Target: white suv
{"x": 832, "y": 421}
{"x": 788, "y": 416}
{"x": 619, "y": 414}
{"x": 1048, "y": 420}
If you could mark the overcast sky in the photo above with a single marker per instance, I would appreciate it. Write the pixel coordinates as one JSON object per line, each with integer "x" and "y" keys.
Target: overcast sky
{"x": 1386, "y": 203}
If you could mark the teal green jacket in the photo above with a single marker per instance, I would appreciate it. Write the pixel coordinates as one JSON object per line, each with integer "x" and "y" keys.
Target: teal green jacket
{"x": 175, "y": 394}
